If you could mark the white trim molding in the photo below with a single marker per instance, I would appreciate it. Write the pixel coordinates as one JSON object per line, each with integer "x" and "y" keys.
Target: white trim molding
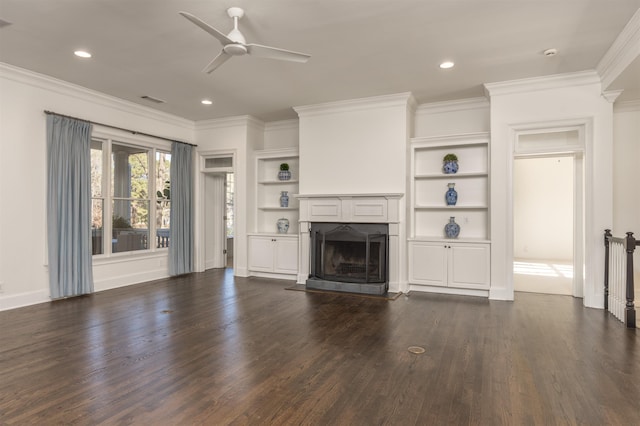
{"x": 624, "y": 50}
{"x": 452, "y": 106}
{"x": 45, "y": 82}
{"x": 611, "y": 95}
{"x": 218, "y": 123}
{"x": 626, "y": 106}
{"x": 555, "y": 81}
{"x": 338, "y": 107}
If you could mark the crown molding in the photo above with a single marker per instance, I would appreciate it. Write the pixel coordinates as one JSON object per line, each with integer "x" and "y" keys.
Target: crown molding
{"x": 375, "y": 102}
{"x": 624, "y": 50}
{"x": 64, "y": 88}
{"x": 555, "y": 81}
{"x": 235, "y": 121}
{"x": 453, "y": 106}
{"x": 627, "y": 106}
{"x": 611, "y": 95}
{"x": 291, "y": 124}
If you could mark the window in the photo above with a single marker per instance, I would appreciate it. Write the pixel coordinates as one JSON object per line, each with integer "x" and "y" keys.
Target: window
{"x": 135, "y": 194}
{"x": 229, "y": 191}
{"x": 97, "y": 200}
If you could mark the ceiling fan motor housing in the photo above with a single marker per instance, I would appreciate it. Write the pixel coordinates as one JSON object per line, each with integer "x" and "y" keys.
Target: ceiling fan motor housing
{"x": 235, "y": 49}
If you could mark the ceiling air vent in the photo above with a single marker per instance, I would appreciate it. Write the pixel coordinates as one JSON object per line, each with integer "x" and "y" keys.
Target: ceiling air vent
{"x": 152, "y": 99}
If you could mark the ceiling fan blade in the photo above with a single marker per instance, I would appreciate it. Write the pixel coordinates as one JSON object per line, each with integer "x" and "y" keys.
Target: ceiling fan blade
{"x": 208, "y": 28}
{"x": 275, "y": 53}
{"x": 217, "y": 61}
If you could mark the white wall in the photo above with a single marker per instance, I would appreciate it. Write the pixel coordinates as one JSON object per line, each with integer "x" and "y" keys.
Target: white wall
{"x": 240, "y": 136}
{"x": 25, "y": 95}
{"x": 281, "y": 134}
{"x": 453, "y": 117}
{"x": 626, "y": 173}
{"x": 549, "y": 102}
{"x": 354, "y": 147}
{"x": 543, "y": 208}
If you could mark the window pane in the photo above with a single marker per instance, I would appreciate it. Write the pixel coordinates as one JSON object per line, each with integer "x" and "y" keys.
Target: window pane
{"x": 96, "y": 168}
{"x": 163, "y": 196}
{"x": 210, "y": 163}
{"x": 130, "y": 225}
{"x": 97, "y": 218}
{"x": 129, "y": 172}
{"x": 229, "y": 205}
{"x": 162, "y": 223}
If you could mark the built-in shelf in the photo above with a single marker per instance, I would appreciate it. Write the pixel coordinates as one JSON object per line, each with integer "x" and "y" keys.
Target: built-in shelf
{"x": 456, "y": 207}
{"x": 270, "y": 253}
{"x": 278, "y": 182}
{"x": 268, "y": 189}
{"x": 449, "y": 176}
{"x": 448, "y": 240}
{"x": 437, "y": 263}
{"x": 278, "y": 208}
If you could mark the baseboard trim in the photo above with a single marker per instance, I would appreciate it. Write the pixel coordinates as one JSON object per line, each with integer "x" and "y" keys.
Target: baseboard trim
{"x": 23, "y": 299}
{"x": 447, "y": 290}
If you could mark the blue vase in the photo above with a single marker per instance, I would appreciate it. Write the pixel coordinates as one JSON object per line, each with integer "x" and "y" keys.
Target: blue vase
{"x": 452, "y": 229}
{"x": 284, "y": 199}
{"x": 283, "y": 225}
{"x": 284, "y": 175}
{"x": 451, "y": 195}
{"x": 450, "y": 167}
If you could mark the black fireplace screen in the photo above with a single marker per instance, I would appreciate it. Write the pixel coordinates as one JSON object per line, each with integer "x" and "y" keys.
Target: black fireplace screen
{"x": 353, "y": 253}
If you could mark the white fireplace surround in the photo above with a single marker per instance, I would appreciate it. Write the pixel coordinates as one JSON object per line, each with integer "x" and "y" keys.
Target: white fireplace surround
{"x": 350, "y": 208}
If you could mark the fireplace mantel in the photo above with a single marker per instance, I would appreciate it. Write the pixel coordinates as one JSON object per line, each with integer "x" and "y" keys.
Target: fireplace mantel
{"x": 362, "y": 208}
{"x": 351, "y": 208}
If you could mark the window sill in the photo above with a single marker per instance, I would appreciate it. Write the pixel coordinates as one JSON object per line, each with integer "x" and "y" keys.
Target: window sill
{"x": 101, "y": 259}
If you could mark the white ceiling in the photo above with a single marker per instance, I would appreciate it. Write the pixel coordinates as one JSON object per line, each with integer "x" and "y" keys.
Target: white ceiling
{"x": 359, "y": 48}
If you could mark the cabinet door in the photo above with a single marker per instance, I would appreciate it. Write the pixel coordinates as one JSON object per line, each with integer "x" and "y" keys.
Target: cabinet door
{"x": 286, "y": 256}
{"x": 469, "y": 266}
{"x": 261, "y": 254}
{"x": 428, "y": 263}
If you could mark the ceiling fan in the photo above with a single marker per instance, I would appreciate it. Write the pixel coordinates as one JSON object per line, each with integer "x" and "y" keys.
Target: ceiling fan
{"x": 234, "y": 43}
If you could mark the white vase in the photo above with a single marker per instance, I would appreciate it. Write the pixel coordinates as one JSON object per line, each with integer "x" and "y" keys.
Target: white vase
{"x": 283, "y": 225}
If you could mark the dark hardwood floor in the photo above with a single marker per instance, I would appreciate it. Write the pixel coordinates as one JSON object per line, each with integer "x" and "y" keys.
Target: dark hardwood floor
{"x": 211, "y": 349}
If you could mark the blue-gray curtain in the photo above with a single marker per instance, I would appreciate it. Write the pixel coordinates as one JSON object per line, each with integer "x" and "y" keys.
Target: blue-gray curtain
{"x": 69, "y": 206}
{"x": 181, "y": 232}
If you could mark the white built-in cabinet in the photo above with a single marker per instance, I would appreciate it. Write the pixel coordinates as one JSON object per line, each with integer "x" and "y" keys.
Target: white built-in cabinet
{"x": 277, "y": 255}
{"x": 438, "y": 263}
{"x": 453, "y": 265}
{"x": 269, "y": 251}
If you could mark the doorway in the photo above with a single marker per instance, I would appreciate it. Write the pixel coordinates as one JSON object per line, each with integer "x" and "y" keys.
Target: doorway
{"x": 543, "y": 213}
{"x": 219, "y": 221}
{"x": 548, "y": 211}
{"x": 218, "y": 209}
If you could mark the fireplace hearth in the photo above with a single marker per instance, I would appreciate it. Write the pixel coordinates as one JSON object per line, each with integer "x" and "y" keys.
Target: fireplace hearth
{"x": 349, "y": 257}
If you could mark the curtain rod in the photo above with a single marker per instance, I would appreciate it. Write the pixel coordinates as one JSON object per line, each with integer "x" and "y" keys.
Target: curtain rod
{"x": 117, "y": 128}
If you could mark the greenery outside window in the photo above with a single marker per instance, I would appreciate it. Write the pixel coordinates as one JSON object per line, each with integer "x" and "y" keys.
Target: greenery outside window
{"x": 135, "y": 189}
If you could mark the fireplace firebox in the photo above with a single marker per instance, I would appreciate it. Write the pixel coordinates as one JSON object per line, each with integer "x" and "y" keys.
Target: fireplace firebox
{"x": 350, "y": 257}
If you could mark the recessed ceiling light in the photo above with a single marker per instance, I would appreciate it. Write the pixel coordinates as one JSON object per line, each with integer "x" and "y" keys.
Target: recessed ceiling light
{"x": 206, "y": 102}
{"x": 82, "y": 54}
{"x": 446, "y": 65}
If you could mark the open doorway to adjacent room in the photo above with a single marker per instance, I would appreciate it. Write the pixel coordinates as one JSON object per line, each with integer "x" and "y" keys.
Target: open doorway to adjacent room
{"x": 543, "y": 224}
{"x": 548, "y": 211}
{"x": 219, "y": 212}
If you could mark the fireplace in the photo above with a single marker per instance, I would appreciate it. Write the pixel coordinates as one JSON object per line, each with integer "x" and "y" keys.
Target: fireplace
{"x": 350, "y": 257}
